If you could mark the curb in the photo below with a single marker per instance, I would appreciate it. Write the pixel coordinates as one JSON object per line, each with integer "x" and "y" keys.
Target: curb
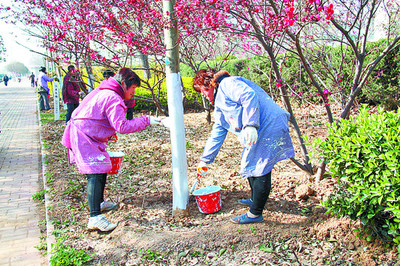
{"x": 50, "y": 238}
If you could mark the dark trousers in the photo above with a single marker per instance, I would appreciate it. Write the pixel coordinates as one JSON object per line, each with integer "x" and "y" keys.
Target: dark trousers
{"x": 44, "y": 101}
{"x": 70, "y": 108}
{"x": 260, "y": 189}
{"x": 129, "y": 114}
{"x": 95, "y": 192}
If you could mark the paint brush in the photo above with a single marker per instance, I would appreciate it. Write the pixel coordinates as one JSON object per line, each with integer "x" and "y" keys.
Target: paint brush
{"x": 194, "y": 185}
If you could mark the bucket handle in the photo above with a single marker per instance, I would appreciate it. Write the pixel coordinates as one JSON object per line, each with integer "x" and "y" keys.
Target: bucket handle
{"x": 197, "y": 180}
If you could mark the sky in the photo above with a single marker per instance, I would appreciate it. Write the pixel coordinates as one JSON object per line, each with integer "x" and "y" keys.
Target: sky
{"x": 15, "y": 52}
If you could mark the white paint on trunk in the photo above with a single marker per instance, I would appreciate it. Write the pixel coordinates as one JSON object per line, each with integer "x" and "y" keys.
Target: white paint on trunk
{"x": 178, "y": 142}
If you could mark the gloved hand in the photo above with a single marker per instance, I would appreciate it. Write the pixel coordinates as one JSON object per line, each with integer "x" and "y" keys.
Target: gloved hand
{"x": 250, "y": 135}
{"x": 202, "y": 169}
{"x": 154, "y": 120}
{"x": 166, "y": 122}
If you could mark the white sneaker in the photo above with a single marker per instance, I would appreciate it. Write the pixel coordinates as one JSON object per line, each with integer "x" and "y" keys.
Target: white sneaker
{"x": 107, "y": 205}
{"x": 101, "y": 223}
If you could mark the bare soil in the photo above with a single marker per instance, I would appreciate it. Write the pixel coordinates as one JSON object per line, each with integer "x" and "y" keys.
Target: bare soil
{"x": 295, "y": 231}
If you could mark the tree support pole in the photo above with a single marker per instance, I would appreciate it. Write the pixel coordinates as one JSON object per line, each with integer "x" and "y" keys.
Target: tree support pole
{"x": 180, "y": 203}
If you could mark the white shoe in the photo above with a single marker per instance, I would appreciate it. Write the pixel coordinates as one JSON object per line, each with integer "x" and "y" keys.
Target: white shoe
{"x": 101, "y": 223}
{"x": 107, "y": 205}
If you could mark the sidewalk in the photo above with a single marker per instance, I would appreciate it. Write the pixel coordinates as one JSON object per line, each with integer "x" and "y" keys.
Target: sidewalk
{"x": 20, "y": 174}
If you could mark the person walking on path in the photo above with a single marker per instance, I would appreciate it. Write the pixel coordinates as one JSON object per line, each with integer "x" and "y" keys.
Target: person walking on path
{"x": 246, "y": 110}
{"x": 99, "y": 116}
{"x": 43, "y": 89}
{"x": 32, "y": 78}
{"x": 71, "y": 90}
{"x": 6, "y": 79}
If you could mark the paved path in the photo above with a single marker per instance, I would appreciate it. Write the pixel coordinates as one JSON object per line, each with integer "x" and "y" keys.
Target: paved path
{"x": 20, "y": 174}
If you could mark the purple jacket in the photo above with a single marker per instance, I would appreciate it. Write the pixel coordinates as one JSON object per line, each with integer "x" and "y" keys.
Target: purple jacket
{"x": 43, "y": 79}
{"x": 100, "y": 115}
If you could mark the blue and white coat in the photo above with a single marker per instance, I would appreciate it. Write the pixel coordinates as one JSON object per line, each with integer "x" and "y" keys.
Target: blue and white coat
{"x": 240, "y": 102}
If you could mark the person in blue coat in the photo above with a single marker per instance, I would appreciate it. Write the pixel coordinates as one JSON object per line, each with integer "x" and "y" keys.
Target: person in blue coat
{"x": 246, "y": 110}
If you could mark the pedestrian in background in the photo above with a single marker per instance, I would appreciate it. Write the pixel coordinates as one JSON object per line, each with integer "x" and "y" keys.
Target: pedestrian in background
{"x": 6, "y": 79}
{"x": 43, "y": 90}
{"x": 32, "y": 78}
{"x": 246, "y": 110}
{"x": 71, "y": 90}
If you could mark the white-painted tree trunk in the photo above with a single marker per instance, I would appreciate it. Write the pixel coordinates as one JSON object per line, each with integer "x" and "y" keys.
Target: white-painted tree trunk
{"x": 180, "y": 203}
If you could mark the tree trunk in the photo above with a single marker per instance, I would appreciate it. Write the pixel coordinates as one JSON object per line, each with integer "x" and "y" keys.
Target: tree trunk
{"x": 145, "y": 64}
{"x": 89, "y": 72}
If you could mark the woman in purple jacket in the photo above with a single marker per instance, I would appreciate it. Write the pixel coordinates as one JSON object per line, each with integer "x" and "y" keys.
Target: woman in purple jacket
{"x": 100, "y": 115}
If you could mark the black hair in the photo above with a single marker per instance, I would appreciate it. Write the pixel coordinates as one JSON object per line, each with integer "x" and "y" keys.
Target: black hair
{"x": 130, "y": 77}
{"x": 108, "y": 72}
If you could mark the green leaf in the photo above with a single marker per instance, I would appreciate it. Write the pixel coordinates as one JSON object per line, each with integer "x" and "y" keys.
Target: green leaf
{"x": 264, "y": 248}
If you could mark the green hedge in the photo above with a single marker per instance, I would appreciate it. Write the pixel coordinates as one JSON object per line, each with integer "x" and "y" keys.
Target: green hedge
{"x": 383, "y": 86}
{"x": 192, "y": 98}
{"x": 364, "y": 155}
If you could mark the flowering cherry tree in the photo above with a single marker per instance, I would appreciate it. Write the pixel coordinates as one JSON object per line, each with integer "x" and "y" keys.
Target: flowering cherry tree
{"x": 110, "y": 32}
{"x": 101, "y": 33}
{"x": 299, "y": 28}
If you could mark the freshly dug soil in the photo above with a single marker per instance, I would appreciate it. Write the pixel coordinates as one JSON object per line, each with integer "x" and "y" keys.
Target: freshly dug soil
{"x": 295, "y": 231}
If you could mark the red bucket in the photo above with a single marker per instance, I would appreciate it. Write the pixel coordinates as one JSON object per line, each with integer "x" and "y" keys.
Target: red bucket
{"x": 116, "y": 161}
{"x": 208, "y": 199}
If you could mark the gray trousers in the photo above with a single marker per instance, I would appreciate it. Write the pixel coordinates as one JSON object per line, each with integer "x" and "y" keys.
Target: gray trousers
{"x": 44, "y": 101}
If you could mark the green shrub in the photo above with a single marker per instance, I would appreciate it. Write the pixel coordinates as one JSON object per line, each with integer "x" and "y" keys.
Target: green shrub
{"x": 364, "y": 156}
{"x": 192, "y": 99}
{"x": 66, "y": 255}
{"x": 150, "y": 255}
{"x": 226, "y": 57}
{"x": 235, "y": 66}
{"x": 39, "y": 195}
{"x": 186, "y": 71}
{"x": 383, "y": 87}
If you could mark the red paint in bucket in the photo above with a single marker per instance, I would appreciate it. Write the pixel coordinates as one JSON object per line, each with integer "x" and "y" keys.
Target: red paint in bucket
{"x": 116, "y": 161}
{"x": 208, "y": 199}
